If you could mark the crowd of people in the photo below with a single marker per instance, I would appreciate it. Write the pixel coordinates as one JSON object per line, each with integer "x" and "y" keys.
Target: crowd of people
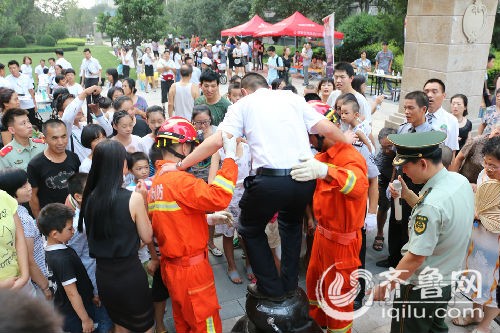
{"x": 111, "y": 189}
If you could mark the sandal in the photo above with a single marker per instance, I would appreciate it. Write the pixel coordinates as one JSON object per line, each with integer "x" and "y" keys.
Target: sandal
{"x": 215, "y": 251}
{"x": 378, "y": 243}
{"x": 235, "y": 277}
{"x": 464, "y": 321}
{"x": 250, "y": 275}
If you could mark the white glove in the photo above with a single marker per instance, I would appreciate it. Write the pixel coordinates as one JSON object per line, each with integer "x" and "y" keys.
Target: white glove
{"x": 370, "y": 222}
{"x": 308, "y": 170}
{"x": 229, "y": 146}
{"x": 222, "y": 217}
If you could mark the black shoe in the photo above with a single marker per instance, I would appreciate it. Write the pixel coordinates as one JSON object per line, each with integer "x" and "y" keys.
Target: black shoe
{"x": 383, "y": 263}
{"x": 254, "y": 291}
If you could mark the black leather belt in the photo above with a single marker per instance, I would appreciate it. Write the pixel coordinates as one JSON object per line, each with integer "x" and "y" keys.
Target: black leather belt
{"x": 273, "y": 172}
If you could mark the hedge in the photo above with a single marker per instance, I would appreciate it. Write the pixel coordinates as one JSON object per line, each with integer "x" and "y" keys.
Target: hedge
{"x": 37, "y": 49}
{"x": 72, "y": 41}
{"x": 47, "y": 40}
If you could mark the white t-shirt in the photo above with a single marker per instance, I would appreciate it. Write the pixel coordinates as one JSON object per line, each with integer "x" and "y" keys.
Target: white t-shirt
{"x": 65, "y": 64}
{"x": 147, "y": 59}
{"x": 4, "y": 83}
{"x": 39, "y": 70}
{"x": 276, "y": 124}
{"x": 75, "y": 89}
{"x": 162, "y": 63}
{"x": 445, "y": 122}
{"x": 365, "y": 109}
{"x": 244, "y": 49}
{"x": 85, "y": 166}
{"x": 195, "y": 77}
{"x": 145, "y": 144}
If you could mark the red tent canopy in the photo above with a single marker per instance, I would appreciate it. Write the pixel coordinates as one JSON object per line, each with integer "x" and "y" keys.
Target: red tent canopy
{"x": 248, "y": 28}
{"x": 296, "y": 25}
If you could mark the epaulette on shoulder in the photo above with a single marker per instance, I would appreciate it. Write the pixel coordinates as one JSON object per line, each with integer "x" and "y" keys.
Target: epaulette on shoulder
{"x": 36, "y": 140}
{"x": 5, "y": 150}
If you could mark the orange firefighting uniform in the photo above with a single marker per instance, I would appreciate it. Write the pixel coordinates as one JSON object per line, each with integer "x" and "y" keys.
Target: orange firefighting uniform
{"x": 177, "y": 206}
{"x": 339, "y": 207}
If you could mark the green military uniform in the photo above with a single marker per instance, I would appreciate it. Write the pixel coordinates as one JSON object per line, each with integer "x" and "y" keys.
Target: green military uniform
{"x": 439, "y": 228}
{"x": 15, "y": 155}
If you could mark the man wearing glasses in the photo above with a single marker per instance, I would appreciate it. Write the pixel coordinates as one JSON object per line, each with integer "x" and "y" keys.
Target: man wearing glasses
{"x": 209, "y": 83}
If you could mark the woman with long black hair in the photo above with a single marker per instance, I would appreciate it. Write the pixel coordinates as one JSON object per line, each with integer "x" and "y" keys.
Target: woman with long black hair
{"x": 112, "y": 76}
{"x": 116, "y": 221}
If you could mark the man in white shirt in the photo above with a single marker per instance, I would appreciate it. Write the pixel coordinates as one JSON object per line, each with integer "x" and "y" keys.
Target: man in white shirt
{"x": 91, "y": 70}
{"x": 166, "y": 69}
{"x": 24, "y": 89}
{"x": 127, "y": 61}
{"x": 439, "y": 118}
{"x": 276, "y": 125}
{"x": 39, "y": 70}
{"x": 4, "y": 83}
{"x": 344, "y": 73}
{"x": 65, "y": 64}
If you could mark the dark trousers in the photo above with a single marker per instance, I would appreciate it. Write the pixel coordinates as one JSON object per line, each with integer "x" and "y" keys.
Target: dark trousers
{"x": 398, "y": 230}
{"x": 89, "y": 82}
{"x": 126, "y": 71}
{"x": 165, "y": 88}
{"x": 362, "y": 257}
{"x": 417, "y": 315}
{"x": 263, "y": 197}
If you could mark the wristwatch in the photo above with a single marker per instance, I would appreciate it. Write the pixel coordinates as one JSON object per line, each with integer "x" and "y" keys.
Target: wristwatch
{"x": 178, "y": 165}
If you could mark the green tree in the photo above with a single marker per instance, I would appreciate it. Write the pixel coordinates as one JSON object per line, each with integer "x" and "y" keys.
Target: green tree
{"x": 237, "y": 12}
{"x": 135, "y": 21}
{"x": 360, "y": 30}
{"x": 79, "y": 21}
{"x": 57, "y": 29}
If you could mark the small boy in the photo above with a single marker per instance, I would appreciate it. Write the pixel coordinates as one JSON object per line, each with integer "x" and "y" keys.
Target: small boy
{"x": 80, "y": 244}
{"x": 234, "y": 92}
{"x": 350, "y": 116}
{"x": 138, "y": 166}
{"x": 73, "y": 289}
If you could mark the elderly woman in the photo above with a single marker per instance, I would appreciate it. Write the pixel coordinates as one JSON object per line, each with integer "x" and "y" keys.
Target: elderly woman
{"x": 482, "y": 254}
{"x": 491, "y": 116}
{"x": 469, "y": 160}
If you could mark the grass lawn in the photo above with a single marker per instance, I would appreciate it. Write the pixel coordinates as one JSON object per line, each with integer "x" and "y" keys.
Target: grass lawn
{"x": 101, "y": 53}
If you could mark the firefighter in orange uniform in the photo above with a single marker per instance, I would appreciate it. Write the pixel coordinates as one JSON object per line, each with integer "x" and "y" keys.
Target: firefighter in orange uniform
{"x": 339, "y": 206}
{"x": 178, "y": 203}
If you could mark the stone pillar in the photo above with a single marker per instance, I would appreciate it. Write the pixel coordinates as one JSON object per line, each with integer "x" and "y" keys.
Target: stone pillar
{"x": 448, "y": 40}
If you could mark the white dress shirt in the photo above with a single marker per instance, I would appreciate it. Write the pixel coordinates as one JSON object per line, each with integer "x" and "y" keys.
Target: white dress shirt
{"x": 90, "y": 68}
{"x": 443, "y": 121}
{"x": 65, "y": 64}
{"x": 276, "y": 124}
{"x": 22, "y": 86}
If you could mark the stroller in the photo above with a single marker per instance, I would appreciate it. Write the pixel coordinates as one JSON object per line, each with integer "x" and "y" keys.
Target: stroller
{"x": 220, "y": 69}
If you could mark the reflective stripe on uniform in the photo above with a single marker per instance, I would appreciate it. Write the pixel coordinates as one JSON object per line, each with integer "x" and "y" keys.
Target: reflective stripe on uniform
{"x": 349, "y": 183}
{"x": 339, "y": 330}
{"x": 314, "y": 303}
{"x": 210, "y": 325}
{"x": 163, "y": 206}
{"x": 224, "y": 183}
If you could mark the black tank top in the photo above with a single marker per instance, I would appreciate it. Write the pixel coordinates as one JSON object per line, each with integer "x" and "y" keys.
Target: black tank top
{"x": 124, "y": 241}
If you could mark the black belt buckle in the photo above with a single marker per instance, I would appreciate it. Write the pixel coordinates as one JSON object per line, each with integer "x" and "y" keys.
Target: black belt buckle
{"x": 273, "y": 172}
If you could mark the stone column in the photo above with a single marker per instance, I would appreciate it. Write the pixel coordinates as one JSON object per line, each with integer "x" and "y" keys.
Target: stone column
{"x": 448, "y": 40}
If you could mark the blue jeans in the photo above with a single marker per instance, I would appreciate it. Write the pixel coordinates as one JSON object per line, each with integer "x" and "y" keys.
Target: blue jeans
{"x": 101, "y": 317}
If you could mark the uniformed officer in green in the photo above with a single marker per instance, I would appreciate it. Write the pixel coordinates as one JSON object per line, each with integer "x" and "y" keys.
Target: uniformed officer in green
{"x": 439, "y": 230}
{"x": 22, "y": 148}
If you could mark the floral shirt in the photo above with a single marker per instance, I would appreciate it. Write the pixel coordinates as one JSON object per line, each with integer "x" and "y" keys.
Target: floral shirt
{"x": 490, "y": 118}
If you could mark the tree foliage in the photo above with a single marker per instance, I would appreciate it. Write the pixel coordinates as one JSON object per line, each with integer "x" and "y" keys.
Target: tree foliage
{"x": 135, "y": 21}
